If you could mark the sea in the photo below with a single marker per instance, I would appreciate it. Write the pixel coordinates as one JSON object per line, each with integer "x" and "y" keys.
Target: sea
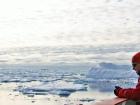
{"x": 70, "y": 75}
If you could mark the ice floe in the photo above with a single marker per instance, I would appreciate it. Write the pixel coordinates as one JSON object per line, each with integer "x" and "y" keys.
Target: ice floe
{"x": 61, "y": 88}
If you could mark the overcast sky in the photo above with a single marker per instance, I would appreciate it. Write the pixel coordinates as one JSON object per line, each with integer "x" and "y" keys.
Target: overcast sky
{"x": 68, "y": 22}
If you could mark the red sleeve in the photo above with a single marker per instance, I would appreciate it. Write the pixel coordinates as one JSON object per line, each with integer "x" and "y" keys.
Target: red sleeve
{"x": 130, "y": 93}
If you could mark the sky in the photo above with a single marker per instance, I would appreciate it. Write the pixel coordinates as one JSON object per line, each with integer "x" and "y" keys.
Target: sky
{"x": 68, "y": 22}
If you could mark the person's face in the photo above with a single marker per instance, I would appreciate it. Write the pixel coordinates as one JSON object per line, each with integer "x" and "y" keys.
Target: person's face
{"x": 136, "y": 67}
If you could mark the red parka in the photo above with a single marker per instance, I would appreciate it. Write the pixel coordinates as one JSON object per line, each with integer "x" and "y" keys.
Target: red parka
{"x": 130, "y": 93}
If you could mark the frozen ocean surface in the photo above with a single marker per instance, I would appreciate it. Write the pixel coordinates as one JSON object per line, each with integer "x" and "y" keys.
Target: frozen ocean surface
{"x": 43, "y": 81}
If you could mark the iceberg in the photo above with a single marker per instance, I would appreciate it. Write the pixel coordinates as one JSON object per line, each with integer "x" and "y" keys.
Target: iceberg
{"x": 111, "y": 71}
{"x": 107, "y": 75}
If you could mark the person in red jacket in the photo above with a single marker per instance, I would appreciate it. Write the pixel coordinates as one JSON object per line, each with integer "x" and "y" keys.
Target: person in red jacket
{"x": 131, "y": 93}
